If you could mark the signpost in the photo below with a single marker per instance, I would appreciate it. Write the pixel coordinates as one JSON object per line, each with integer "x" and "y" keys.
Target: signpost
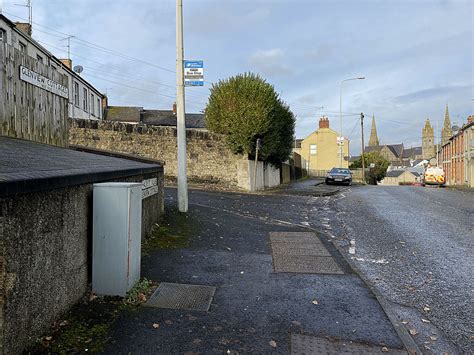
{"x": 193, "y": 73}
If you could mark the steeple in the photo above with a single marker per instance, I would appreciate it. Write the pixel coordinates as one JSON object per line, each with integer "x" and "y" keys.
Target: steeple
{"x": 427, "y": 141}
{"x": 374, "y": 140}
{"x": 447, "y": 131}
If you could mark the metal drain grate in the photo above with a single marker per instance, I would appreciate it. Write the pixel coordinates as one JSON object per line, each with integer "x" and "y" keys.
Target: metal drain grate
{"x": 307, "y": 344}
{"x": 306, "y": 264}
{"x": 284, "y": 248}
{"x": 182, "y": 296}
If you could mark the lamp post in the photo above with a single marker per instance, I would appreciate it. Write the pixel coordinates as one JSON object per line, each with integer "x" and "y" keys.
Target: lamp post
{"x": 341, "y": 142}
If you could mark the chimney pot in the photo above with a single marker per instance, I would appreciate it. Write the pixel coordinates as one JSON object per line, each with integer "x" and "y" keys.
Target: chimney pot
{"x": 324, "y": 122}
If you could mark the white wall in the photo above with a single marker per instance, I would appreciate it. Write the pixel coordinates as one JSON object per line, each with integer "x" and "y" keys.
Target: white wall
{"x": 245, "y": 175}
{"x": 271, "y": 176}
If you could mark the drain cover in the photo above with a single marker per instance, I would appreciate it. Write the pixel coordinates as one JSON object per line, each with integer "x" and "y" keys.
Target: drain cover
{"x": 299, "y": 249}
{"x": 306, "y": 264}
{"x": 182, "y": 296}
{"x": 306, "y": 344}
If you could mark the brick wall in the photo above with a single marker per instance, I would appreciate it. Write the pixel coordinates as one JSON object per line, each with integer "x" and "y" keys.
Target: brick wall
{"x": 209, "y": 159}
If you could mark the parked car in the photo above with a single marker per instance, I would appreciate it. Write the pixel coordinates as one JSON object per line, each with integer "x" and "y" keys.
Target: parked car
{"x": 339, "y": 176}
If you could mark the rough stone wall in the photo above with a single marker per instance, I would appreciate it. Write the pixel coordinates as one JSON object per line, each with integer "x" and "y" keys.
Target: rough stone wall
{"x": 45, "y": 257}
{"x": 209, "y": 159}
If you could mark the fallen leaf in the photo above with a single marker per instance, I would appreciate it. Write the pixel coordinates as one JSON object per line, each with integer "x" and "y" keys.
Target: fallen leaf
{"x": 92, "y": 297}
{"x": 413, "y": 331}
{"x": 197, "y": 341}
{"x": 168, "y": 322}
{"x": 425, "y": 320}
{"x": 385, "y": 349}
{"x": 273, "y": 344}
{"x": 433, "y": 338}
{"x": 48, "y": 338}
{"x": 426, "y": 308}
{"x": 192, "y": 317}
{"x": 141, "y": 297}
{"x": 404, "y": 322}
{"x": 63, "y": 323}
{"x": 156, "y": 325}
{"x": 315, "y": 302}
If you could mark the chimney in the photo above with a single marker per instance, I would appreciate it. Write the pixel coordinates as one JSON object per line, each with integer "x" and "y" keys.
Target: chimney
{"x": 324, "y": 122}
{"x": 470, "y": 119}
{"x": 174, "y": 108}
{"x": 67, "y": 63}
{"x": 105, "y": 102}
{"x": 24, "y": 27}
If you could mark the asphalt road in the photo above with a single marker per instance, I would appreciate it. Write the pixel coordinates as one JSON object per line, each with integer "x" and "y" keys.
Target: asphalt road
{"x": 416, "y": 246}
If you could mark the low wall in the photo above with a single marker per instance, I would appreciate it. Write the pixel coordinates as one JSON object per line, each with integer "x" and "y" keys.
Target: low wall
{"x": 45, "y": 256}
{"x": 208, "y": 158}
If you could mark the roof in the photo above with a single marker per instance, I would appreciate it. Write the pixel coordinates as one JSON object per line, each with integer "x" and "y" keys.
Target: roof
{"x": 396, "y": 149}
{"x": 168, "y": 118}
{"x": 394, "y": 173}
{"x": 27, "y": 166}
{"x": 412, "y": 152}
{"x": 52, "y": 56}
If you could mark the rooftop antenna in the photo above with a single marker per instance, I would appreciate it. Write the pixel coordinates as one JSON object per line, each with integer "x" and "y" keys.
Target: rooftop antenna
{"x": 29, "y": 5}
{"x": 68, "y": 39}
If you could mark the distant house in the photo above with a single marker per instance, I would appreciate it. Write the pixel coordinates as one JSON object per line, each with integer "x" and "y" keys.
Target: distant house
{"x": 321, "y": 151}
{"x": 395, "y": 177}
{"x": 132, "y": 114}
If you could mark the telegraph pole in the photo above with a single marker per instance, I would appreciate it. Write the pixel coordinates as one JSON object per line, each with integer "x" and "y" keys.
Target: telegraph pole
{"x": 363, "y": 147}
{"x": 180, "y": 112}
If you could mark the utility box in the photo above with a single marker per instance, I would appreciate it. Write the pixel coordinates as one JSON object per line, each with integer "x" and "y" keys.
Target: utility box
{"x": 116, "y": 245}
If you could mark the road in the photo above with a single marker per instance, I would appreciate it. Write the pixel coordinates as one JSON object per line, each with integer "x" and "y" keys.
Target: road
{"x": 415, "y": 246}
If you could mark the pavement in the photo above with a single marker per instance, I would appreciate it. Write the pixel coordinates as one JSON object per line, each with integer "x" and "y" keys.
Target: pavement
{"x": 254, "y": 309}
{"x": 414, "y": 245}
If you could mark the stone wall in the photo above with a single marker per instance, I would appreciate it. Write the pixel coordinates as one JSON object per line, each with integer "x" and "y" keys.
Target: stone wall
{"x": 45, "y": 256}
{"x": 209, "y": 159}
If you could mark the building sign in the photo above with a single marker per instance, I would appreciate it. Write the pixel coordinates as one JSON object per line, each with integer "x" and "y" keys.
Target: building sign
{"x": 40, "y": 81}
{"x": 193, "y": 73}
{"x": 150, "y": 188}
{"x": 340, "y": 141}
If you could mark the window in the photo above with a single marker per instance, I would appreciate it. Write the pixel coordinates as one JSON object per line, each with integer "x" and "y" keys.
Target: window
{"x": 39, "y": 58}
{"x": 92, "y": 104}
{"x": 312, "y": 149}
{"x": 84, "y": 100}
{"x": 22, "y": 47}
{"x": 98, "y": 108}
{"x": 76, "y": 94}
{"x": 3, "y": 35}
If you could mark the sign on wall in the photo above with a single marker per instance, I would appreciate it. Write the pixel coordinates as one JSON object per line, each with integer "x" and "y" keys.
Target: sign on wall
{"x": 150, "y": 188}
{"x": 193, "y": 73}
{"x": 43, "y": 82}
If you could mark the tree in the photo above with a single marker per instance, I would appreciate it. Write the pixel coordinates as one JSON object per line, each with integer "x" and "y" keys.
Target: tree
{"x": 377, "y": 173}
{"x": 244, "y": 108}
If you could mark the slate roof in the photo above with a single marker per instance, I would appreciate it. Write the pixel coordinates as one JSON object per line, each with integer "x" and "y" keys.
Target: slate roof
{"x": 27, "y": 166}
{"x": 394, "y": 173}
{"x": 396, "y": 149}
{"x": 412, "y": 152}
{"x": 168, "y": 118}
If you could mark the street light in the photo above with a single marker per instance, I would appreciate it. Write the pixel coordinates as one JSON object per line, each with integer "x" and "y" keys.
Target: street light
{"x": 341, "y": 142}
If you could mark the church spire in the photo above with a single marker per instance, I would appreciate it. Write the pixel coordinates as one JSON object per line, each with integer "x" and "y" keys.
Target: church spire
{"x": 447, "y": 131}
{"x": 374, "y": 140}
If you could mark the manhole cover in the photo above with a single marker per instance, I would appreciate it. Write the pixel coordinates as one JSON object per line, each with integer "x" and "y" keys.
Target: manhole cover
{"x": 181, "y": 296}
{"x": 299, "y": 237}
{"x": 307, "y": 264}
{"x": 284, "y": 248}
{"x": 307, "y": 344}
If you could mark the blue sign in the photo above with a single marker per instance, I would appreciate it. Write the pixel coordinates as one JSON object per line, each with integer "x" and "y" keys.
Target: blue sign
{"x": 193, "y": 73}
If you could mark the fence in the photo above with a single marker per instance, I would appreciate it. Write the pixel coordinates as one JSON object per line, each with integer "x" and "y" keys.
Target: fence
{"x": 28, "y": 111}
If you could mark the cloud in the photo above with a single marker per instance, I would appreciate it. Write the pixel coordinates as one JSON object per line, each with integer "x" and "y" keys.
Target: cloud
{"x": 270, "y": 62}
{"x": 435, "y": 92}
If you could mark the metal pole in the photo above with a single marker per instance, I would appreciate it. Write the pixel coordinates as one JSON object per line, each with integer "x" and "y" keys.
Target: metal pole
{"x": 363, "y": 148}
{"x": 180, "y": 112}
{"x": 255, "y": 170}
{"x": 340, "y": 121}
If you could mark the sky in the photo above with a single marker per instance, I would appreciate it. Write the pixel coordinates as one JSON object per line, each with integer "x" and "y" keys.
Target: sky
{"x": 416, "y": 55}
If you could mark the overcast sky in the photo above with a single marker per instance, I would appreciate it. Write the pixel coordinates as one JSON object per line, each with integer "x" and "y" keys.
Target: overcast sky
{"x": 416, "y": 55}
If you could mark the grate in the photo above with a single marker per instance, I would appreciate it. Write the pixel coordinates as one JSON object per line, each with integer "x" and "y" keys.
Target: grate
{"x": 306, "y": 264}
{"x": 182, "y": 296}
{"x": 316, "y": 249}
{"x": 307, "y": 344}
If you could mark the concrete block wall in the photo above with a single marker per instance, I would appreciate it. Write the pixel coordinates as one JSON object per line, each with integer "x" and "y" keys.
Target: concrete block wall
{"x": 45, "y": 257}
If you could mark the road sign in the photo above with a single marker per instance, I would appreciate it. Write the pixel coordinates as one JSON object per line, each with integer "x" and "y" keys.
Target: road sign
{"x": 193, "y": 73}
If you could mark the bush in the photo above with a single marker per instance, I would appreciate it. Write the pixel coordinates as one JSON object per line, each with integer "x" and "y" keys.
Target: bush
{"x": 244, "y": 108}
{"x": 377, "y": 173}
